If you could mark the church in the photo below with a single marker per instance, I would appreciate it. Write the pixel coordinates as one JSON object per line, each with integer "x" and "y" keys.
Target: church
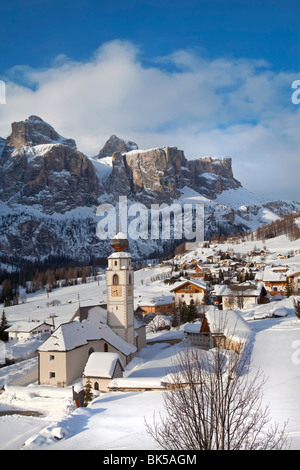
{"x": 111, "y": 328}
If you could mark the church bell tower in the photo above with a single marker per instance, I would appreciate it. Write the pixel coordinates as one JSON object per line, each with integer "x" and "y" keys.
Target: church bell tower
{"x": 119, "y": 283}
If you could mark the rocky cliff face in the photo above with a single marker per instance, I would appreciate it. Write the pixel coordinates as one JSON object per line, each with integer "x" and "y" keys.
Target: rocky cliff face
{"x": 43, "y": 169}
{"x": 49, "y": 192}
{"x": 159, "y": 175}
{"x": 35, "y": 131}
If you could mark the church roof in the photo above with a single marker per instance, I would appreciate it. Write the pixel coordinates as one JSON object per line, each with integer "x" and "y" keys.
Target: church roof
{"x": 74, "y": 334}
{"x": 119, "y": 242}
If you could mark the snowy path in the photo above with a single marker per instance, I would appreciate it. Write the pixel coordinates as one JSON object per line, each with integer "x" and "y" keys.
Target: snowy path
{"x": 20, "y": 429}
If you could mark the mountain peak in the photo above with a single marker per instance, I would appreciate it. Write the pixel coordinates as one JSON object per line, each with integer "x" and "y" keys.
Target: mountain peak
{"x": 115, "y": 144}
{"x": 35, "y": 131}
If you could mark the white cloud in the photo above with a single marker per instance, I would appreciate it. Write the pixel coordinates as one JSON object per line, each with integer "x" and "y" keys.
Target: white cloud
{"x": 224, "y": 106}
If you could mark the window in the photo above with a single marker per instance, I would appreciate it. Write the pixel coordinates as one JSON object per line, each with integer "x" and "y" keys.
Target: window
{"x": 105, "y": 347}
{"x": 129, "y": 279}
{"x": 115, "y": 279}
{"x": 51, "y": 357}
{"x": 52, "y": 375}
{"x": 116, "y": 263}
{"x": 96, "y": 386}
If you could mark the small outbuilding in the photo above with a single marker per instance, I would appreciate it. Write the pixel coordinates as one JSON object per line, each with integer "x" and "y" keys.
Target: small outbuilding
{"x": 101, "y": 368}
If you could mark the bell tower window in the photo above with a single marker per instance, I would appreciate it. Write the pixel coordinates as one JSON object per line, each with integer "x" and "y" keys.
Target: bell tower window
{"x": 115, "y": 279}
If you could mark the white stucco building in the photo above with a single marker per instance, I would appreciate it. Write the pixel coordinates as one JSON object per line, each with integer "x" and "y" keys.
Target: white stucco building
{"x": 27, "y": 330}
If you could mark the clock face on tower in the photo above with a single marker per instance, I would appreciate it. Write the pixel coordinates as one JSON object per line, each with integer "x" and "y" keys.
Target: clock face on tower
{"x": 116, "y": 291}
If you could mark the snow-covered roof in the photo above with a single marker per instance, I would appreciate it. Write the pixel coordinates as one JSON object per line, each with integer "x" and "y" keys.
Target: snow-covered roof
{"x": 116, "y": 341}
{"x": 193, "y": 327}
{"x": 229, "y": 323}
{"x": 71, "y": 335}
{"x": 119, "y": 254}
{"x": 26, "y": 326}
{"x": 197, "y": 283}
{"x": 102, "y": 364}
{"x": 159, "y": 300}
{"x": 271, "y": 275}
{"x": 247, "y": 290}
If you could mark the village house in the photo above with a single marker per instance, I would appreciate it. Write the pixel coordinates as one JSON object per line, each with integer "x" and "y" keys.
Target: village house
{"x": 27, "y": 330}
{"x": 197, "y": 273}
{"x": 213, "y": 259}
{"x": 163, "y": 304}
{"x": 188, "y": 290}
{"x": 224, "y": 328}
{"x": 281, "y": 256}
{"x": 242, "y": 295}
{"x": 274, "y": 280}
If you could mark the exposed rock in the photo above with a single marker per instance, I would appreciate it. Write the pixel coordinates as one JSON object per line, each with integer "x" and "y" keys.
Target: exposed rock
{"x": 53, "y": 177}
{"x": 159, "y": 175}
{"x": 35, "y": 131}
{"x": 115, "y": 144}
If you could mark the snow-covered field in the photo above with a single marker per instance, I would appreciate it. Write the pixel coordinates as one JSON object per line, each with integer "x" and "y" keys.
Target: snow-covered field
{"x": 116, "y": 420}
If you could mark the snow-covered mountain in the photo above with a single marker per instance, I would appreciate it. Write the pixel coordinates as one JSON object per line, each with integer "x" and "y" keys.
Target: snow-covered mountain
{"x": 50, "y": 191}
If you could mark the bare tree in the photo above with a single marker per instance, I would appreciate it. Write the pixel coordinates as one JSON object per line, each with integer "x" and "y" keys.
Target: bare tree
{"x": 215, "y": 403}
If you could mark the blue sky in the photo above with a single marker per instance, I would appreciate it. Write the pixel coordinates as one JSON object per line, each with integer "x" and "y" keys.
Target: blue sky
{"x": 211, "y": 77}
{"x": 36, "y": 31}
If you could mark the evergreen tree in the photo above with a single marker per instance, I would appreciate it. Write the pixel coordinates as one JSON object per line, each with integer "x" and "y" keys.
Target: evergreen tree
{"x": 88, "y": 395}
{"x": 3, "y": 325}
{"x": 177, "y": 315}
